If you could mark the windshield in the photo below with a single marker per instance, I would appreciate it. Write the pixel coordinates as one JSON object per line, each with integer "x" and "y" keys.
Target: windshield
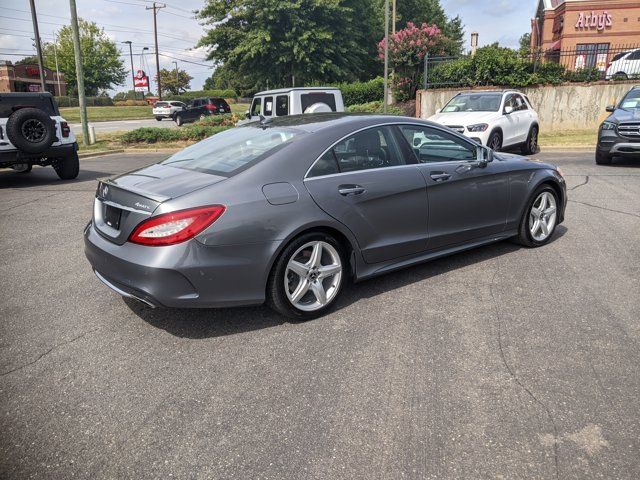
{"x": 474, "y": 102}
{"x": 231, "y": 150}
{"x": 631, "y": 100}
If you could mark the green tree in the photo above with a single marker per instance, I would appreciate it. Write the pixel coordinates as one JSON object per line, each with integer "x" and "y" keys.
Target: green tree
{"x": 174, "y": 84}
{"x": 525, "y": 44}
{"x": 32, "y": 59}
{"x": 101, "y": 61}
{"x": 275, "y": 42}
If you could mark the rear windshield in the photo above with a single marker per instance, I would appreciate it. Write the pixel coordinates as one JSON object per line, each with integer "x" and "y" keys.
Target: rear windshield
{"x": 218, "y": 102}
{"x": 176, "y": 104}
{"x": 230, "y": 151}
{"x": 308, "y": 99}
{"x": 162, "y": 104}
{"x": 9, "y": 104}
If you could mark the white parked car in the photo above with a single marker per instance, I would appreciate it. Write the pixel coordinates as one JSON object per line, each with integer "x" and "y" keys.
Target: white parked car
{"x": 295, "y": 101}
{"x": 167, "y": 109}
{"x": 624, "y": 65}
{"x": 497, "y": 119}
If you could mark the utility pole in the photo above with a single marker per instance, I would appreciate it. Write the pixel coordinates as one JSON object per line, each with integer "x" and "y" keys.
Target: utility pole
{"x": 393, "y": 18}
{"x": 386, "y": 56}
{"x": 155, "y": 8}
{"x": 177, "y": 77}
{"x": 133, "y": 73}
{"x": 79, "y": 71}
{"x": 36, "y": 33}
{"x": 55, "y": 55}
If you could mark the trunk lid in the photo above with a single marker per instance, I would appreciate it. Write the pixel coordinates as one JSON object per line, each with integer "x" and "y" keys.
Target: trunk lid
{"x": 123, "y": 202}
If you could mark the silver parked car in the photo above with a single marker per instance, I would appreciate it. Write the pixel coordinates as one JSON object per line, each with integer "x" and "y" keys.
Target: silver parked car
{"x": 286, "y": 211}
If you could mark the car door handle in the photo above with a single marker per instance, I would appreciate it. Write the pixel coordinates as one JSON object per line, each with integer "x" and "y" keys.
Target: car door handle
{"x": 350, "y": 190}
{"x": 440, "y": 176}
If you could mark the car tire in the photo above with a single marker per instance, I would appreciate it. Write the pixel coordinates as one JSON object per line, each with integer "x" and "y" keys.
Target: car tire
{"x": 528, "y": 234}
{"x": 159, "y": 119}
{"x": 531, "y": 144}
{"x": 284, "y": 282}
{"x": 603, "y": 158}
{"x": 67, "y": 168}
{"x": 495, "y": 141}
{"x": 31, "y": 130}
{"x": 179, "y": 120}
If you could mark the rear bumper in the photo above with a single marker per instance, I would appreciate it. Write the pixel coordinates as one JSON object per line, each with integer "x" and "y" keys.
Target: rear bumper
{"x": 16, "y": 156}
{"x": 187, "y": 275}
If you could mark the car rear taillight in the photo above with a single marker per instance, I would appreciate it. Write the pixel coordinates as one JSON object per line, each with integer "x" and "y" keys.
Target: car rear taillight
{"x": 175, "y": 227}
{"x": 213, "y": 108}
{"x": 64, "y": 127}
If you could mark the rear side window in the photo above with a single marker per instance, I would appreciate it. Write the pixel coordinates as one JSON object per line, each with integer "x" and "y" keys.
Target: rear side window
{"x": 268, "y": 106}
{"x": 326, "y": 165}
{"x": 9, "y": 104}
{"x": 308, "y": 99}
{"x": 282, "y": 105}
{"x": 230, "y": 151}
{"x": 634, "y": 56}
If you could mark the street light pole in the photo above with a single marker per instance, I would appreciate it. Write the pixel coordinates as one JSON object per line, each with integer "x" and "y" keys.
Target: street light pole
{"x": 133, "y": 75}
{"x": 55, "y": 56}
{"x": 177, "y": 77}
{"x": 36, "y": 33}
{"x": 79, "y": 71}
{"x": 386, "y": 56}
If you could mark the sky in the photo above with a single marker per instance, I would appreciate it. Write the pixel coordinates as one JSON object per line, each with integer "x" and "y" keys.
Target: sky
{"x": 502, "y": 21}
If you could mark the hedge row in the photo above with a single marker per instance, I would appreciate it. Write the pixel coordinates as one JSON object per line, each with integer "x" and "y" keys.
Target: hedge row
{"x": 191, "y": 132}
{"x": 90, "y": 101}
{"x": 374, "y": 107}
{"x": 187, "y": 96}
{"x": 358, "y": 93}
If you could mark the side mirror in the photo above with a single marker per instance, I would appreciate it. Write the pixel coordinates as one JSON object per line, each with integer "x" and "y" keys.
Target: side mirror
{"x": 508, "y": 109}
{"x": 610, "y": 108}
{"x": 247, "y": 114}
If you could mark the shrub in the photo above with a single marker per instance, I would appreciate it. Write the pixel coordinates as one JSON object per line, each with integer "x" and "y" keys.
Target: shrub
{"x": 188, "y": 96}
{"x": 591, "y": 74}
{"x": 90, "y": 101}
{"x": 362, "y": 92}
{"x": 130, "y": 103}
{"x": 374, "y": 107}
{"x": 228, "y": 120}
{"x": 152, "y": 135}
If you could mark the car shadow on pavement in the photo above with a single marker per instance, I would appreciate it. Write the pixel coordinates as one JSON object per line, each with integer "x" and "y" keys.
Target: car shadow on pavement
{"x": 45, "y": 177}
{"x": 207, "y": 323}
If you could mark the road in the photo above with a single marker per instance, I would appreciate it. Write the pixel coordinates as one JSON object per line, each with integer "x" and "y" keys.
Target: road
{"x": 123, "y": 125}
{"x": 501, "y": 362}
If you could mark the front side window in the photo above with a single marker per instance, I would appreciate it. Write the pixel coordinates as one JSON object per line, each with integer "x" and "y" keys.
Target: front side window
{"x": 282, "y": 105}
{"x": 432, "y": 145}
{"x": 231, "y": 150}
{"x": 268, "y": 106}
{"x": 256, "y": 107}
{"x": 520, "y": 103}
{"x": 474, "y": 102}
{"x": 371, "y": 148}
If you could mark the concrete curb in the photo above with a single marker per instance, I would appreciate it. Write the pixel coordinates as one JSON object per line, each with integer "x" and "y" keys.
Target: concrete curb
{"x": 99, "y": 154}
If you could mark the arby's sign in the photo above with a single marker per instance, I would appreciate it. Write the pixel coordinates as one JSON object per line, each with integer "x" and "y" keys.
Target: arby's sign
{"x": 594, "y": 20}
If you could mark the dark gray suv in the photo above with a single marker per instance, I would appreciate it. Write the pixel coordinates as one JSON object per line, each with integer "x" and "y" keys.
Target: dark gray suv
{"x": 619, "y": 134}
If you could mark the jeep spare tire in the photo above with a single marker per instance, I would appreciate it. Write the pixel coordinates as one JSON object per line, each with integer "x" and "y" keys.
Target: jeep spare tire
{"x": 318, "y": 107}
{"x": 31, "y": 130}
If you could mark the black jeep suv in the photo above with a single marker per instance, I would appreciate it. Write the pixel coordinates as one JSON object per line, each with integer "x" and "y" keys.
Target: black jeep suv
{"x": 32, "y": 132}
{"x": 619, "y": 134}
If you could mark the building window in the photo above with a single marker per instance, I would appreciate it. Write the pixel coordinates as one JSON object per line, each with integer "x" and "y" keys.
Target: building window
{"x": 590, "y": 55}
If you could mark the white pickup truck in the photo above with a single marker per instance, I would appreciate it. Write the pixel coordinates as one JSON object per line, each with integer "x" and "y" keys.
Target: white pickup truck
{"x": 295, "y": 101}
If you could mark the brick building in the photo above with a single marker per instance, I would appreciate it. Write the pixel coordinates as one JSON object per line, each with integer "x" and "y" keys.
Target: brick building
{"x": 26, "y": 78}
{"x": 592, "y": 30}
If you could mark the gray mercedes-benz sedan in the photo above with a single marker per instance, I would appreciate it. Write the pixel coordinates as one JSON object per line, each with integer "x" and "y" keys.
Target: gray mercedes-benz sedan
{"x": 287, "y": 211}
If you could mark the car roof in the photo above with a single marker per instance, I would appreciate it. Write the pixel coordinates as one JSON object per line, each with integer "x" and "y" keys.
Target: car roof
{"x": 314, "y": 122}
{"x": 296, "y": 89}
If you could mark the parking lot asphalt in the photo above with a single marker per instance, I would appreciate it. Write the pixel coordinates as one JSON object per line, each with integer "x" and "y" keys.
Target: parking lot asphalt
{"x": 501, "y": 362}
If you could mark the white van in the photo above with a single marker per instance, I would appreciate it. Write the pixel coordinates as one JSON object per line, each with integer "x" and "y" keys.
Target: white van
{"x": 294, "y": 101}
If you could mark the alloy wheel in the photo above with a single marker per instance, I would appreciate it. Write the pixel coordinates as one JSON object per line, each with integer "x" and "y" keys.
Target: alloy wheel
{"x": 33, "y": 130}
{"x": 542, "y": 217}
{"x": 312, "y": 276}
{"x": 533, "y": 140}
{"x": 495, "y": 142}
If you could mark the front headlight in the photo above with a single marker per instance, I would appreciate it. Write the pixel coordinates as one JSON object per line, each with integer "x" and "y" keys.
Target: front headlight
{"x": 608, "y": 126}
{"x": 478, "y": 127}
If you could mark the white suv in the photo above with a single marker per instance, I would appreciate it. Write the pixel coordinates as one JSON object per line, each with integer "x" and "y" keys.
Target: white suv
{"x": 624, "y": 65}
{"x": 32, "y": 132}
{"x": 497, "y": 119}
{"x": 295, "y": 101}
{"x": 167, "y": 109}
